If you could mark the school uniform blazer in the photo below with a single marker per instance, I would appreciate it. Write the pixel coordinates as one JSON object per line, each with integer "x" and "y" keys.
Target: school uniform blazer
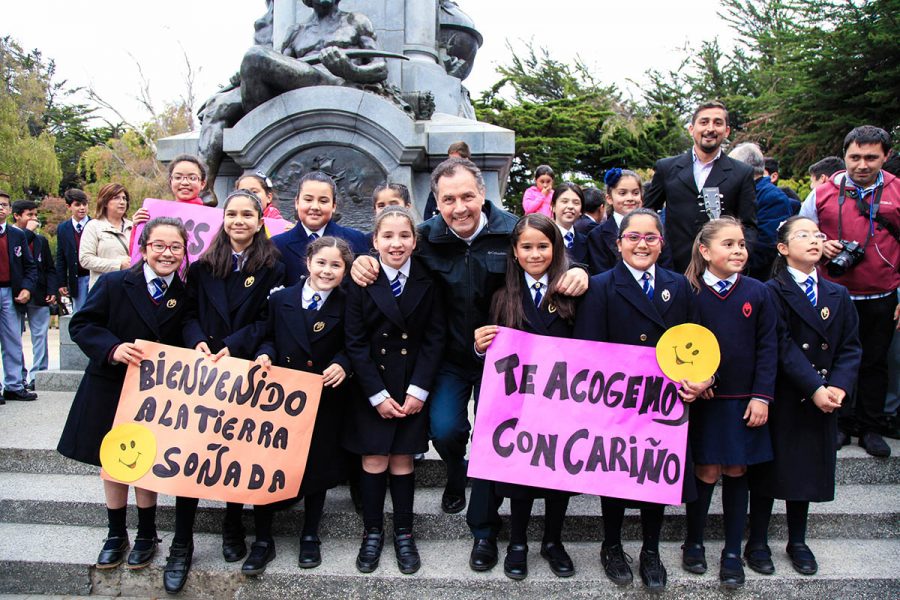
{"x": 23, "y": 272}
{"x": 67, "y": 257}
{"x": 118, "y": 309}
{"x": 579, "y": 252}
{"x": 392, "y": 344}
{"x": 292, "y": 245}
{"x": 46, "y": 283}
{"x": 603, "y": 253}
{"x": 616, "y": 309}
{"x": 585, "y": 224}
{"x": 674, "y": 189}
{"x": 238, "y": 323}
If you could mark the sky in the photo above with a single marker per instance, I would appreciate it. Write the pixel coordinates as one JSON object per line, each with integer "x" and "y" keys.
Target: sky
{"x": 100, "y": 43}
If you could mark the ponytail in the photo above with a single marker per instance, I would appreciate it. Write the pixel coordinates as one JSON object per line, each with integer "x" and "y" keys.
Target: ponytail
{"x": 697, "y": 266}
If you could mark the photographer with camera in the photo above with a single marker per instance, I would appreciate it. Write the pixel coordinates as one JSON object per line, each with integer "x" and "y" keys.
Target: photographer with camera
{"x": 859, "y": 210}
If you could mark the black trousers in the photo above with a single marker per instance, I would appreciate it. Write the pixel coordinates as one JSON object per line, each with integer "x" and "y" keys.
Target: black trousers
{"x": 865, "y": 411}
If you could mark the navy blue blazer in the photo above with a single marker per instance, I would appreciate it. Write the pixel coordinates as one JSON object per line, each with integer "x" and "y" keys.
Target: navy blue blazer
{"x": 292, "y": 245}
{"x": 615, "y": 308}
{"x": 579, "y": 252}
{"x": 47, "y": 283}
{"x": 603, "y": 253}
{"x": 392, "y": 344}
{"x": 585, "y": 224}
{"x": 67, "y": 257}
{"x": 239, "y": 322}
{"x": 23, "y": 272}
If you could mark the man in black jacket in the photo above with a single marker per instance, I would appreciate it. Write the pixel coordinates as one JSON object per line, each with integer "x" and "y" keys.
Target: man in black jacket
{"x": 702, "y": 184}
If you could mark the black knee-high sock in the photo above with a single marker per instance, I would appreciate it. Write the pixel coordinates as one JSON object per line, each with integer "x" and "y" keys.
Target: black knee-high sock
{"x": 760, "y": 515}
{"x": 554, "y": 515}
{"x": 147, "y": 522}
{"x": 697, "y": 511}
{"x": 185, "y": 511}
{"x": 262, "y": 522}
{"x": 613, "y": 517}
{"x": 651, "y": 526}
{"x": 314, "y": 506}
{"x": 372, "y": 487}
{"x": 519, "y": 515}
{"x": 233, "y": 522}
{"x": 734, "y": 509}
{"x": 403, "y": 489}
{"x": 797, "y": 513}
{"x": 116, "y": 519}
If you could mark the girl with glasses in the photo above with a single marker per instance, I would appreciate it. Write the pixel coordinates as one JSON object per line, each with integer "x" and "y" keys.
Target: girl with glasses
{"x": 187, "y": 178}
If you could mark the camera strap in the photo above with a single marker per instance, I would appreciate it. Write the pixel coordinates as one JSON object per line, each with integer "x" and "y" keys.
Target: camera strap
{"x": 867, "y": 210}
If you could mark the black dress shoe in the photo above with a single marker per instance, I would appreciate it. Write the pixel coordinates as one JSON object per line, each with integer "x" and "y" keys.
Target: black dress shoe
{"x": 731, "y": 571}
{"x": 484, "y": 554}
{"x": 759, "y": 558}
{"x": 408, "y": 560}
{"x": 261, "y": 554}
{"x": 113, "y": 553}
{"x": 310, "y": 552}
{"x": 802, "y": 559}
{"x": 652, "y": 571}
{"x": 178, "y": 565}
{"x": 875, "y": 445}
{"x": 843, "y": 438}
{"x": 29, "y": 387}
{"x": 22, "y": 395}
{"x": 560, "y": 562}
{"x": 234, "y": 547}
{"x": 515, "y": 565}
{"x": 693, "y": 558}
{"x": 370, "y": 551}
{"x": 453, "y": 502}
{"x": 615, "y": 563}
{"x": 142, "y": 553}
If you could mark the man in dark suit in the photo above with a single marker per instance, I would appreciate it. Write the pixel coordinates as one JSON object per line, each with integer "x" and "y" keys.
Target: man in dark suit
{"x": 18, "y": 276}
{"x": 73, "y": 279}
{"x": 679, "y": 182}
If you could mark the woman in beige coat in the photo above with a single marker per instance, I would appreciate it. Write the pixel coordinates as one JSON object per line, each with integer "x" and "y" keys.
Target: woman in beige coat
{"x": 104, "y": 241}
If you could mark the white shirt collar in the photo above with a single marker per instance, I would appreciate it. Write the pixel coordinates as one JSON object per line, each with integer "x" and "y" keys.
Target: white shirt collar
{"x": 565, "y": 231}
{"x": 696, "y": 158}
{"x": 309, "y": 231}
{"x": 878, "y": 180}
{"x": 391, "y": 272}
{"x": 639, "y": 275}
{"x": 800, "y": 277}
{"x": 482, "y": 223}
{"x": 307, "y": 294}
{"x": 150, "y": 275}
{"x": 711, "y": 280}
{"x": 530, "y": 281}
{"x": 82, "y": 222}
{"x": 618, "y": 219}
{"x": 3, "y": 228}
{"x": 589, "y": 217}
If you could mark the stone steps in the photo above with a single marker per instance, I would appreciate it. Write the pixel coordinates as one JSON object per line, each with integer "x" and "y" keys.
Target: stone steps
{"x": 60, "y": 561}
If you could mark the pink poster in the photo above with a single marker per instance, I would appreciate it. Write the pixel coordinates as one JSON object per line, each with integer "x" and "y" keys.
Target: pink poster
{"x": 579, "y": 416}
{"x": 201, "y": 222}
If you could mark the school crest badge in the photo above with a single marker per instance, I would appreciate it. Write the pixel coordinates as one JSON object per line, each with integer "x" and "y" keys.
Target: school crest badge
{"x": 249, "y": 281}
{"x": 551, "y": 309}
{"x": 747, "y": 309}
{"x": 171, "y": 303}
{"x": 18, "y": 251}
{"x": 825, "y": 313}
{"x": 666, "y": 295}
{"x": 319, "y": 326}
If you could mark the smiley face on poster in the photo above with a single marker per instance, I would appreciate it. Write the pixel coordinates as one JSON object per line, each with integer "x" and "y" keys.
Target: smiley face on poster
{"x": 688, "y": 351}
{"x": 127, "y": 452}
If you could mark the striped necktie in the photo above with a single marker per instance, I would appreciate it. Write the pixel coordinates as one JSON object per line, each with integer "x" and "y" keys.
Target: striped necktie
{"x": 78, "y": 227}
{"x": 723, "y": 286}
{"x": 313, "y": 237}
{"x": 396, "y": 286}
{"x": 236, "y": 262}
{"x": 648, "y": 287}
{"x": 538, "y": 286}
{"x": 570, "y": 240}
{"x": 811, "y": 289}
{"x": 314, "y": 305}
{"x": 159, "y": 289}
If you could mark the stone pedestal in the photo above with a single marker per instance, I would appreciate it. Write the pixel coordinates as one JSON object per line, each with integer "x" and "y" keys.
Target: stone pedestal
{"x": 71, "y": 358}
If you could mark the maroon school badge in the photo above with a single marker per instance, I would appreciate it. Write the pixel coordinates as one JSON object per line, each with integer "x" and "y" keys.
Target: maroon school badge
{"x": 747, "y": 309}
{"x": 18, "y": 251}
{"x": 825, "y": 313}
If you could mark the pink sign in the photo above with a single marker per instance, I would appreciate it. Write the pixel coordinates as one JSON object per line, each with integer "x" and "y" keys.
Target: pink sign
{"x": 579, "y": 416}
{"x": 202, "y": 224}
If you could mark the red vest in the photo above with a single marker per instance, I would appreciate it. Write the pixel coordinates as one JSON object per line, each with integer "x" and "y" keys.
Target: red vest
{"x": 873, "y": 275}
{"x": 4, "y": 258}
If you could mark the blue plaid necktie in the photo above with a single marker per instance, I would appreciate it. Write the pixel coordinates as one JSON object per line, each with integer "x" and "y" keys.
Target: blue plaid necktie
{"x": 396, "y": 286}
{"x": 537, "y": 293}
{"x": 648, "y": 287}
{"x": 313, "y": 237}
{"x": 235, "y": 262}
{"x": 570, "y": 240}
{"x": 314, "y": 305}
{"x": 811, "y": 290}
{"x": 159, "y": 288}
{"x": 723, "y": 286}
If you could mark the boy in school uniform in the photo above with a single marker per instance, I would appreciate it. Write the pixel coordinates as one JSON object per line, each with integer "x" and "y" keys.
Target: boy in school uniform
{"x": 73, "y": 279}
{"x": 38, "y": 308}
{"x": 18, "y": 276}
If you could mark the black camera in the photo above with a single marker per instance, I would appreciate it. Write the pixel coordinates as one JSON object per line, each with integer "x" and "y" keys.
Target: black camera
{"x": 850, "y": 255}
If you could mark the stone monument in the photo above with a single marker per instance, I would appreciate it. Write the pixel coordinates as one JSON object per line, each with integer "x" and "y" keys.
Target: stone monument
{"x": 365, "y": 90}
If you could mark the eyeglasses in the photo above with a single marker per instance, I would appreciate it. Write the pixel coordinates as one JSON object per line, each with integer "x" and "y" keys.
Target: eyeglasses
{"x": 651, "y": 239}
{"x": 160, "y": 247}
{"x": 178, "y": 178}
{"x": 805, "y": 235}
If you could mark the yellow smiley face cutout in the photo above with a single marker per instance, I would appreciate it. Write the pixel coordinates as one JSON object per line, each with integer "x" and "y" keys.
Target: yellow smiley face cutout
{"x": 128, "y": 451}
{"x": 688, "y": 352}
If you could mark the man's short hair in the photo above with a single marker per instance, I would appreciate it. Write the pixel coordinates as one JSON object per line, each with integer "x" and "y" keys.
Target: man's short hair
{"x": 868, "y": 134}
{"x": 750, "y": 154}
{"x": 448, "y": 169}
{"x": 771, "y": 164}
{"x": 828, "y": 166}
{"x": 892, "y": 164}
{"x": 706, "y": 105}
{"x": 74, "y": 195}
{"x": 20, "y": 206}
{"x": 593, "y": 200}
{"x": 460, "y": 148}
